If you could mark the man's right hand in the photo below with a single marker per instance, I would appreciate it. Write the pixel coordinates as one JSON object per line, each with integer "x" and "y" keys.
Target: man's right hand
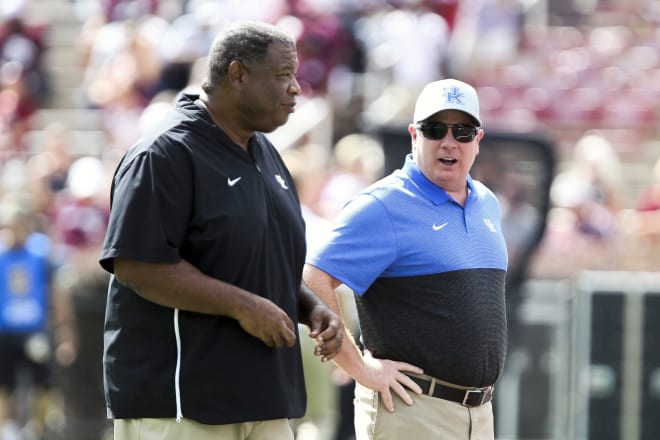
{"x": 269, "y": 323}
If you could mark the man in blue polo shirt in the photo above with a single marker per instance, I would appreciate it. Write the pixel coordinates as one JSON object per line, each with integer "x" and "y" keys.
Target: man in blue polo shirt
{"x": 424, "y": 253}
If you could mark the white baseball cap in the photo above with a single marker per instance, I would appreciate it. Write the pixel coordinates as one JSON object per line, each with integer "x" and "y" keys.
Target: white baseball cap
{"x": 447, "y": 94}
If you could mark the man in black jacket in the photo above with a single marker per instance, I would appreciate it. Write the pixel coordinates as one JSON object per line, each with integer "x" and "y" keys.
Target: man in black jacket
{"x": 207, "y": 244}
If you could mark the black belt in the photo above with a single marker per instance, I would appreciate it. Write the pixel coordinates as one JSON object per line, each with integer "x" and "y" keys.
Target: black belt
{"x": 467, "y": 398}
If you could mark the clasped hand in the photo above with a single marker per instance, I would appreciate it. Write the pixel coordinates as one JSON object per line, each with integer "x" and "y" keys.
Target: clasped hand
{"x": 273, "y": 327}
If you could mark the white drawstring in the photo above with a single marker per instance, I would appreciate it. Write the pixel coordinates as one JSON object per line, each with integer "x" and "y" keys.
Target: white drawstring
{"x": 177, "y": 389}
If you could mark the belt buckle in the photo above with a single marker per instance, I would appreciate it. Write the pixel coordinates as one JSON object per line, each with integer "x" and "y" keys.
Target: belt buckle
{"x": 484, "y": 393}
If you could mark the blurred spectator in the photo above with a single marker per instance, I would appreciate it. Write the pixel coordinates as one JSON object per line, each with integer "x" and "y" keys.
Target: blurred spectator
{"x": 521, "y": 227}
{"x": 590, "y": 189}
{"x": 583, "y": 230}
{"x": 81, "y": 210}
{"x": 26, "y": 44}
{"x": 184, "y": 41}
{"x": 46, "y": 172}
{"x": 648, "y": 207}
{"x": 122, "y": 71}
{"x": 24, "y": 79}
{"x": 413, "y": 49}
{"x": 521, "y": 220}
{"x": 325, "y": 43}
{"x": 17, "y": 105}
{"x": 308, "y": 166}
{"x": 488, "y": 31}
{"x": 80, "y": 223}
{"x": 402, "y": 59}
{"x": 357, "y": 161}
{"x": 25, "y": 300}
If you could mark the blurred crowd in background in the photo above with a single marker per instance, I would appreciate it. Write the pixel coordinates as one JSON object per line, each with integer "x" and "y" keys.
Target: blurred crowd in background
{"x": 586, "y": 74}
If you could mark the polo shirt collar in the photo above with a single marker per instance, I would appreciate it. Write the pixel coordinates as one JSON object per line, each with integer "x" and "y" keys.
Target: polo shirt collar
{"x": 433, "y": 192}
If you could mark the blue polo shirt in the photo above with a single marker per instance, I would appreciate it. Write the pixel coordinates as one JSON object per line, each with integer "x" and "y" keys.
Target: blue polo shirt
{"x": 428, "y": 274}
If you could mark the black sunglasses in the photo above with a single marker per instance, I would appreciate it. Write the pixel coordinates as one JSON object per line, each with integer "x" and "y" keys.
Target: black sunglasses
{"x": 434, "y": 130}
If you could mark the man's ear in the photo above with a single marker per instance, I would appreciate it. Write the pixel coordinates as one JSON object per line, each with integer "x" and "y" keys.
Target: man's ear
{"x": 480, "y": 136}
{"x": 413, "y": 135}
{"x": 236, "y": 73}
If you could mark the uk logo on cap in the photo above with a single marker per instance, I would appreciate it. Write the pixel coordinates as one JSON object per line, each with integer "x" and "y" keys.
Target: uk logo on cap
{"x": 454, "y": 95}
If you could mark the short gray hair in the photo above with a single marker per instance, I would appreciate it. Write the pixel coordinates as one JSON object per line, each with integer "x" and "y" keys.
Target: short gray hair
{"x": 245, "y": 41}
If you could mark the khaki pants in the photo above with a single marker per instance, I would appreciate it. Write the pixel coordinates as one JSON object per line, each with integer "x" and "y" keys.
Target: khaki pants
{"x": 428, "y": 418}
{"x": 169, "y": 429}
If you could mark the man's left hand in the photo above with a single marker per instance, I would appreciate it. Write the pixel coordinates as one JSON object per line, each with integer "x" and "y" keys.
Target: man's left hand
{"x": 328, "y": 331}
